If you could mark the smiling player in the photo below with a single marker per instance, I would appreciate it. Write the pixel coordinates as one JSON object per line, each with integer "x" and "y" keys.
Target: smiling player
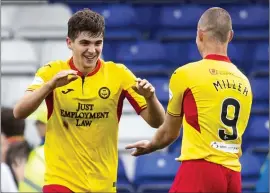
{"x": 84, "y": 97}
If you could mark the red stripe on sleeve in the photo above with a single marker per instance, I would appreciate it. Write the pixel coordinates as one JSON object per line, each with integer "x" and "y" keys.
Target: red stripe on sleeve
{"x": 134, "y": 103}
{"x": 49, "y": 103}
{"x": 190, "y": 110}
{"x": 120, "y": 104}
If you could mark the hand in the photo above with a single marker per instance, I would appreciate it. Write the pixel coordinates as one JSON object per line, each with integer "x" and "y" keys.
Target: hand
{"x": 63, "y": 78}
{"x": 144, "y": 88}
{"x": 142, "y": 147}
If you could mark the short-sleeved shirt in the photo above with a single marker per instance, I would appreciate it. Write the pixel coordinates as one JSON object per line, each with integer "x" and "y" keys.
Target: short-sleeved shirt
{"x": 81, "y": 149}
{"x": 214, "y": 97}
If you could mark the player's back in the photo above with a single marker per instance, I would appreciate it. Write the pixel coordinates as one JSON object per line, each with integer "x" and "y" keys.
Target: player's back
{"x": 216, "y": 107}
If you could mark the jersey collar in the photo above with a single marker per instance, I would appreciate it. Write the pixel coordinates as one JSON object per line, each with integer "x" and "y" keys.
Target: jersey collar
{"x": 218, "y": 57}
{"x": 73, "y": 67}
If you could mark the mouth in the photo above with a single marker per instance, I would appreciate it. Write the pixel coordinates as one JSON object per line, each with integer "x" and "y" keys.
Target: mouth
{"x": 89, "y": 57}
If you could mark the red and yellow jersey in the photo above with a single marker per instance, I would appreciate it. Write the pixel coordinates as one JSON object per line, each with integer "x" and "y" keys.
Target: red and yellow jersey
{"x": 215, "y": 99}
{"x": 81, "y": 146}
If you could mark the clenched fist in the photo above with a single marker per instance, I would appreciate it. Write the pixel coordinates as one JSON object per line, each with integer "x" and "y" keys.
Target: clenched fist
{"x": 144, "y": 88}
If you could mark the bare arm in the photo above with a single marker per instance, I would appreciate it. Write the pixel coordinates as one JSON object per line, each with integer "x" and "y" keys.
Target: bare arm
{"x": 31, "y": 100}
{"x": 168, "y": 132}
{"x": 165, "y": 135}
{"x": 154, "y": 114}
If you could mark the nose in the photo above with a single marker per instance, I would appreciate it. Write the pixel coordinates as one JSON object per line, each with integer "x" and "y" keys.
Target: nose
{"x": 91, "y": 48}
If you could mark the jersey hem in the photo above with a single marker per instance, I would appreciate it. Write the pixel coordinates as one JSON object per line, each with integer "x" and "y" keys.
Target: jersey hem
{"x": 174, "y": 115}
{"x": 141, "y": 109}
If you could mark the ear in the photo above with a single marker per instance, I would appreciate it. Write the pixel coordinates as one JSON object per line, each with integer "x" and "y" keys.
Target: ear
{"x": 69, "y": 42}
{"x": 231, "y": 35}
{"x": 200, "y": 34}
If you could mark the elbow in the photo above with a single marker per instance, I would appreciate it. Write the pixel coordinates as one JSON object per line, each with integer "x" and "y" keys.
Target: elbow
{"x": 18, "y": 114}
{"x": 158, "y": 122}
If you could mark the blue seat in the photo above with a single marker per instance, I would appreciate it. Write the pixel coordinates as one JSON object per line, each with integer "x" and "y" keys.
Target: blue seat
{"x": 262, "y": 184}
{"x": 250, "y": 171}
{"x": 177, "y": 53}
{"x": 261, "y": 60}
{"x": 147, "y": 16}
{"x": 161, "y": 85}
{"x": 218, "y": 2}
{"x": 141, "y": 52}
{"x": 257, "y": 132}
{"x": 250, "y": 22}
{"x": 180, "y": 16}
{"x": 193, "y": 53}
{"x": 155, "y": 172}
{"x": 144, "y": 57}
{"x": 175, "y": 147}
{"x": 260, "y": 107}
{"x": 260, "y": 88}
{"x": 251, "y": 34}
{"x": 179, "y": 22}
{"x": 109, "y": 52}
{"x": 123, "y": 184}
{"x": 252, "y": 16}
{"x": 120, "y": 22}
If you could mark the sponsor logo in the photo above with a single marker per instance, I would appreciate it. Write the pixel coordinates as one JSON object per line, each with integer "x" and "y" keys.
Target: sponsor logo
{"x": 67, "y": 91}
{"x": 225, "y": 147}
{"x": 213, "y": 71}
{"x": 104, "y": 92}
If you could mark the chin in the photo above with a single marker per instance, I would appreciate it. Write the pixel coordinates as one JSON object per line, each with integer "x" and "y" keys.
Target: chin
{"x": 89, "y": 64}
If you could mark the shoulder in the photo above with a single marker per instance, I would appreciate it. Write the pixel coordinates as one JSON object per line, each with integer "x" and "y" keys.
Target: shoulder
{"x": 52, "y": 67}
{"x": 55, "y": 65}
{"x": 186, "y": 68}
{"x": 114, "y": 66}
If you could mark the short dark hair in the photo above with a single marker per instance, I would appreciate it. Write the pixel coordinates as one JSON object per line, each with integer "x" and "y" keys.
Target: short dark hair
{"x": 86, "y": 20}
{"x": 9, "y": 125}
{"x": 17, "y": 151}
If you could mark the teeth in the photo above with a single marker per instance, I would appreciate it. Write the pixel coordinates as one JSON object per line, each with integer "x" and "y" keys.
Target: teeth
{"x": 89, "y": 57}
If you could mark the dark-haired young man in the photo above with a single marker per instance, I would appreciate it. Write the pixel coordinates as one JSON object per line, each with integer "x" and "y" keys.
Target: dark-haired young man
{"x": 84, "y": 97}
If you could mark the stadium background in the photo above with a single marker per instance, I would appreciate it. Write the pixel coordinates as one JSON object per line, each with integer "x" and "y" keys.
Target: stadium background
{"x": 152, "y": 38}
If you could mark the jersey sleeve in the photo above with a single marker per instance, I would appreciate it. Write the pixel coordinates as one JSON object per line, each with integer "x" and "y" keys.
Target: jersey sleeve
{"x": 129, "y": 79}
{"x": 43, "y": 75}
{"x": 177, "y": 88}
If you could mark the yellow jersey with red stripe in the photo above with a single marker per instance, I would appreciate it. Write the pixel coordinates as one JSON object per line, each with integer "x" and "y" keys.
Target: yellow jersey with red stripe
{"x": 214, "y": 97}
{"x": 81, "y": 146}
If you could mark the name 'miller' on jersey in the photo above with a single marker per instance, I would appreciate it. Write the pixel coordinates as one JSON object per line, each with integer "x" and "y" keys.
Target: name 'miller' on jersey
{"x": 214, "y": 98}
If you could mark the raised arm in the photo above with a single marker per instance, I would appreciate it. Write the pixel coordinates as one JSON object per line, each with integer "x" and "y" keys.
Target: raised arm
{"x": 154, "y": 114}
{"x": 170, "y": 129}
{"x": 33, "y": 98}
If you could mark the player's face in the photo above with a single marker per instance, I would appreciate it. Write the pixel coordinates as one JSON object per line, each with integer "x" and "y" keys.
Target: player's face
{"x": 86, "y": 49}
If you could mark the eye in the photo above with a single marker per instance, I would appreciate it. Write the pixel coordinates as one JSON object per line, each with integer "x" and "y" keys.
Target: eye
{"x": 84, "y": 43}
{"x": 98, "y": 43}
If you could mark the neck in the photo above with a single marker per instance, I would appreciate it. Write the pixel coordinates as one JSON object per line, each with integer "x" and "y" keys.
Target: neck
{"x": 217, "y": 49}
{"x": 82, "y": 69}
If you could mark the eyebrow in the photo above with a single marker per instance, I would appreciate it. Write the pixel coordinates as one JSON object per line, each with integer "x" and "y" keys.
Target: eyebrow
{"x": 88, "y": 41}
